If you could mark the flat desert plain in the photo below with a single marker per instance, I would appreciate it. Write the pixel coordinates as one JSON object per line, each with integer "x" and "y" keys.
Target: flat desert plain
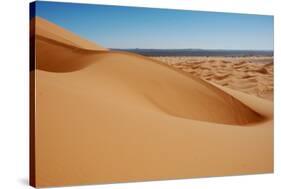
{"x": 107, "y": 116}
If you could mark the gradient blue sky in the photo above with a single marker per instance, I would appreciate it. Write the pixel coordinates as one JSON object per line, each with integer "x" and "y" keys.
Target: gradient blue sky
{"x": 131, "y": 27}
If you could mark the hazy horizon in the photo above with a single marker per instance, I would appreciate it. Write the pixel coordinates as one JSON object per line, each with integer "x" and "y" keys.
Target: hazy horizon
{"x": 195, "y": 49}
{"x": 119, "y": 27}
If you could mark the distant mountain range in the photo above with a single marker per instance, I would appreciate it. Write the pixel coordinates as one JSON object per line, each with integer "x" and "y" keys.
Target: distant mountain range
{"x": 198, "y": 52}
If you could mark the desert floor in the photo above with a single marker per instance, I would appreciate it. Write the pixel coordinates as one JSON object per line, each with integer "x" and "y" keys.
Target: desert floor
{"x": 252, "y": 75}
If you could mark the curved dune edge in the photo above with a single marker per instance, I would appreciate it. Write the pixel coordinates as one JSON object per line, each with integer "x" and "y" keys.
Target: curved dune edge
{"x": 52, "y": 31}
{"x": 171, "y": 92}
{"x": 119, "y": 117}
{"x": 261, "y": 106}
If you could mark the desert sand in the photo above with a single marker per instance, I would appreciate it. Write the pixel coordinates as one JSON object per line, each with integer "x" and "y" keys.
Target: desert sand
{"x": 106, "y": 116}
{"x": 251, "y": 75}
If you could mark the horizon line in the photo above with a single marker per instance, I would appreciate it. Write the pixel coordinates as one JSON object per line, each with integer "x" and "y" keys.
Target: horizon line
{"x": 191, "y": 49}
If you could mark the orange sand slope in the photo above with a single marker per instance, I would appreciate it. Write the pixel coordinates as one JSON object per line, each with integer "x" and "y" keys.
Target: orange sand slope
{"x": 104, "y": 116}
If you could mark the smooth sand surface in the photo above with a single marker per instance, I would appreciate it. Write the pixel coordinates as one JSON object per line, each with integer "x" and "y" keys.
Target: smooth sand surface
{"x": 252, "y": 75}
{"x": 104, "y": 117}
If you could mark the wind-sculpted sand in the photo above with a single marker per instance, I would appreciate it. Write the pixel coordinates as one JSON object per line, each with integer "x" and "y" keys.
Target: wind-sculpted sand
{"x": 252, "y": 75}
{"x": 105, "y": 116}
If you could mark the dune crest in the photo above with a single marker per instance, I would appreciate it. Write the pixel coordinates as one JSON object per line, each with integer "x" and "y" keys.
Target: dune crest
{"x": 57, "y": 49}
{"x": 49, "y": 30}
{"x": 118, "y": 117}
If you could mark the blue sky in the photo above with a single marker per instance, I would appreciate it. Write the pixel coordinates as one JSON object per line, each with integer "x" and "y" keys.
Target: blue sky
{"x": 132, "y": 27}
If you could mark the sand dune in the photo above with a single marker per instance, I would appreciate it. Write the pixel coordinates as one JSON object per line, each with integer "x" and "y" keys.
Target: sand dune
{"x": 58, "y": 35}
{"x": 105, "y": 116}
{"x": 252, "y": 75}
{"x": 59, "y": 48}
